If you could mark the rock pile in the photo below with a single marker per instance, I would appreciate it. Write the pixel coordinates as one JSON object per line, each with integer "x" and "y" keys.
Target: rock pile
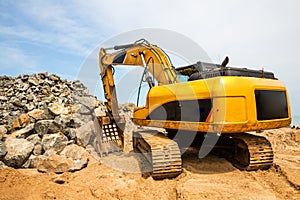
{"x": 46, "y": 123}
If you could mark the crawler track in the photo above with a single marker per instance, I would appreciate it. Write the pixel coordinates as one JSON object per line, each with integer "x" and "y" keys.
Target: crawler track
{"x": 161, "y": 152}
{"x": 252, "y": 152}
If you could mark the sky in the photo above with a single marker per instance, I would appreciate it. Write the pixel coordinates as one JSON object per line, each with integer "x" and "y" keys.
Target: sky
{"x": 60, "y": 36}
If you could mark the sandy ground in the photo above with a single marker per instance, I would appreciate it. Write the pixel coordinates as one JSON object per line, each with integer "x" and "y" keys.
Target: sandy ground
{"x": 119, "y": 177}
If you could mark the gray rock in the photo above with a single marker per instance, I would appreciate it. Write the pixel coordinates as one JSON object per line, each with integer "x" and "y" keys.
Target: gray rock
{"x": 3, "y": 131}
{"x": 87, "y": 104}
{"x": 65, "y": 121}
{"x": 72, "y": 133}
{"x": 17, "y": 102}
{"x": 21, "y": 96}
{"x": 33, "y": 81}
{"x": 75, "y": 152}
{"x": 56, "y": 142}
{"x": 38, "y": 149}
{"x": 43, "y": 127}
{"x": 24, "y": 132}
{"x": 89, "y": 148}
{"x": 32, "y": 161}
{"x": 78, "y": 165}
{"x": 36, "y": 114}
{"x": 84, "y": 133}
{"x": 78, "y": 121}
{"x": 30, "y": 106}
{"x": 42, "y": 75}
{"x": 57, "y": 109}
{"x": 35, "y": 139}
{"x": 100, "y": 112}
{"x": 24, "y": 77}
{"x": 46, "y": 103}
{"x": 85, "y": 110}
{"x": 3, "y": 98}
{"x": 55, "y": 163}
{"x": 54, "y": 77}
{"x": 78, "y": 154}
{"x": 24, "y": 87}
{"x": 2, "y": 164}
{"x": 18, "y": 151}
{"x": 3, "y": 149}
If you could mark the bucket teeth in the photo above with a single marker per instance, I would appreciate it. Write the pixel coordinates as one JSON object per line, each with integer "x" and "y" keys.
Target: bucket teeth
{"x": 110, "y": 136}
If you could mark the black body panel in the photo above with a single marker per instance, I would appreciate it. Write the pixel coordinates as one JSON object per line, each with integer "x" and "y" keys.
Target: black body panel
{"x": 271, "y": 104}
{"x": 188, "y": 110}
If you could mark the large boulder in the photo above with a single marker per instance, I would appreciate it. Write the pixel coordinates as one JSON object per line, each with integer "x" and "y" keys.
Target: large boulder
{"x": 84, "y": 133}
{"x": 72, "y": 158}
{"x": 56, "y": 142}
{"x": 54, "y": 163}
{"x": 78, "y": 154}
{"x": 18, "y": 151}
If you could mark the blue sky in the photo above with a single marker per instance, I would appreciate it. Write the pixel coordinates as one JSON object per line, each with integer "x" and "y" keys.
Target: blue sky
{"x": 59, "y": 36}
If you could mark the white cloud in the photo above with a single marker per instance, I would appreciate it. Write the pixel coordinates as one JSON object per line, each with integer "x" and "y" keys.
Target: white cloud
{"x": 16, "y": 60}
{"x": 51, "y": 24}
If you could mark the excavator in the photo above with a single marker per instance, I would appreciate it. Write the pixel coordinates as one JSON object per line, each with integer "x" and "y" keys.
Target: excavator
{"x": 233, "y": 103}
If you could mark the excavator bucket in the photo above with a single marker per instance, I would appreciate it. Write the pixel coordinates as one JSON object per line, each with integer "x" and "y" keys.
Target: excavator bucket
{"x": 110, "y": 137}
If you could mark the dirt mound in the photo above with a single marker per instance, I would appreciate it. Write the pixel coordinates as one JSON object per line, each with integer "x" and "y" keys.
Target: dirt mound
{"x": 207, "y": 178}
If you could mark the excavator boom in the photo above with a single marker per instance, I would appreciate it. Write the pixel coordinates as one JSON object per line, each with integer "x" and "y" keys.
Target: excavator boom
{"x": 140, "y": 53}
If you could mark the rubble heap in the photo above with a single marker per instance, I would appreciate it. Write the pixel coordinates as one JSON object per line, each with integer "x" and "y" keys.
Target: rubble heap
{"x": 46, "y": 123}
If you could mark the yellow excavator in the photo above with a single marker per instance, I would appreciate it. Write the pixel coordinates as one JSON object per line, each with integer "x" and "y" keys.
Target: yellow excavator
{"x": 213, "y": 99}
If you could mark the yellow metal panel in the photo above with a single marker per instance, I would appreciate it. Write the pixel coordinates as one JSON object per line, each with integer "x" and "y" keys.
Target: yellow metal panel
{"x": 234, "y": 105}
{"x": 230, "y": 109}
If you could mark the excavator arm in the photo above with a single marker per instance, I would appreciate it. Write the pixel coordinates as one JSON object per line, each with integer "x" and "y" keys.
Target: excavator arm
{"x": 140, "y": 53}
